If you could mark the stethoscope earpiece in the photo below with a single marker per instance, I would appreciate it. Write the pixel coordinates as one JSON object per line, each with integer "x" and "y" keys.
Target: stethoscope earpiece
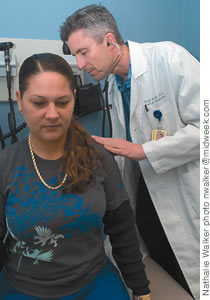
{"x": 117, "y": 58}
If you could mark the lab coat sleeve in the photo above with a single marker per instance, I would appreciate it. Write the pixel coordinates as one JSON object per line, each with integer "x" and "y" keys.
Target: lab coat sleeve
{"x": 183, "y": 145}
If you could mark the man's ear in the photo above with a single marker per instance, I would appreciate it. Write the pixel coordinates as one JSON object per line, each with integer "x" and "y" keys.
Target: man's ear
{"x": 19, "y": 101}
{"x": 109, "y": 39}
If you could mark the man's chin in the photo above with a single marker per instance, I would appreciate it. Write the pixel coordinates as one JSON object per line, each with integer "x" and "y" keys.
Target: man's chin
{"x": 98, "y": 77}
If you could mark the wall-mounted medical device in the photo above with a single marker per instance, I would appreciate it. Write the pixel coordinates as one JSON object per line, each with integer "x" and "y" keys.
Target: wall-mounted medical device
{"x": 13, "y": 64}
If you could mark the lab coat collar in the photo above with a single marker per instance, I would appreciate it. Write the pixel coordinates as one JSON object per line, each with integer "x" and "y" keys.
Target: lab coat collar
{"x": 138, "y": 59}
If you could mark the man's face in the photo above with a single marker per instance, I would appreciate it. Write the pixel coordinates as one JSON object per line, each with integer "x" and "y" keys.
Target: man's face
{"x": 94, "y": 58}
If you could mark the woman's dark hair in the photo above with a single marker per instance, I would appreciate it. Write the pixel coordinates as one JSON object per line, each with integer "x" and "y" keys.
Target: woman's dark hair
{"x": 81, "y": 159}
{"x": 44, "y": 62}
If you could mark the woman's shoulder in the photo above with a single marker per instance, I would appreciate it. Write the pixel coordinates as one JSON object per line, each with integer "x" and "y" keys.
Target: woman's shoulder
{"x": 104, "y": 153}
{"x": 13, "y": 150}
{"x": 109, "y": 163}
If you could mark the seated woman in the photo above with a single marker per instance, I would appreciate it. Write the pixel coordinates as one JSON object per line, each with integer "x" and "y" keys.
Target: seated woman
{"x": 59, "y": 191}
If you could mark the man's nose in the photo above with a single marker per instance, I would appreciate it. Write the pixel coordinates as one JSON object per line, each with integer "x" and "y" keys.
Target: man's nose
{"x": 80, "y": 63}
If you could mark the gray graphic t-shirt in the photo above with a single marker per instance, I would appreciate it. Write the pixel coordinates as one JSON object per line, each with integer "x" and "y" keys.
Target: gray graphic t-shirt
{"x": 54, "y": 240}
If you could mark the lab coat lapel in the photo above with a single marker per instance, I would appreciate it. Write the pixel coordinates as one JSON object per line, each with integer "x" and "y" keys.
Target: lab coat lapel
{"x": 138, "y": 68}
{"x": 115, "y": 95}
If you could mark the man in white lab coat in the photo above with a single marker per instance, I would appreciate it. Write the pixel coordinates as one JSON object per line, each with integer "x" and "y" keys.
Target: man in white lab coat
{"x": 154, "y": 91}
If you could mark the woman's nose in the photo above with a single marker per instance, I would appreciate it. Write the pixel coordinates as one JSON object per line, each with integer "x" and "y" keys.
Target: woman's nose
{"x": 51, "y": 111}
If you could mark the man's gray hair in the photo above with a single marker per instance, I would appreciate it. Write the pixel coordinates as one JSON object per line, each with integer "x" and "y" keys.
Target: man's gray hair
{"x": 95, "y": 19}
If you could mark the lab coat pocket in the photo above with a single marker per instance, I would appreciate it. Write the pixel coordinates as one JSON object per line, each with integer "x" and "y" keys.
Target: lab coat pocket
{"x": 191, "y": 189}
{"x": 153, "y": 122}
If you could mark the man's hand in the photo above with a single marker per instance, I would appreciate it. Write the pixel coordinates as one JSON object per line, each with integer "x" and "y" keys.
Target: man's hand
{"x": 121, "y": 147}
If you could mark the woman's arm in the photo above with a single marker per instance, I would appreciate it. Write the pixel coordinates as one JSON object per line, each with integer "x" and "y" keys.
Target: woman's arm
{"x": 120, "y": 226}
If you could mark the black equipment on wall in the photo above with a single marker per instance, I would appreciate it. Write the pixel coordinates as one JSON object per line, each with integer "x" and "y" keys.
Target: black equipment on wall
{"x": 89, "y": 99}
{"x": 5, "y": 46}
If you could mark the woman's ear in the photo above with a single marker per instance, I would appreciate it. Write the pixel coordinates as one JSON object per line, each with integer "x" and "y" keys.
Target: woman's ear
{"x": 19, "y": 101}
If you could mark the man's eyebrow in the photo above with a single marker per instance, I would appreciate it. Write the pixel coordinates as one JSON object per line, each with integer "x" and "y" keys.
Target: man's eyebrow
{"x": 79, "y": 50}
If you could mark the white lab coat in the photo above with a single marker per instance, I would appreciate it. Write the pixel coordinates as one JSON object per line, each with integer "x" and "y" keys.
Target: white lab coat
{"x": 165, "y": 77}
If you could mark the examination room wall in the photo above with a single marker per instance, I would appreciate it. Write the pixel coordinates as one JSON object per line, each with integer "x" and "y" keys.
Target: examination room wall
{"x": 138, "y": 20}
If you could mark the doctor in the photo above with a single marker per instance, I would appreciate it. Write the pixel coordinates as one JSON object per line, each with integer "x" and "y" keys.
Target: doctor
{"x": 154, "y": 92}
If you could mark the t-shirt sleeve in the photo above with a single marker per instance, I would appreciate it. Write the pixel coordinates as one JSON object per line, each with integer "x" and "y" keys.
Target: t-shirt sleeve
{"x": 2, "y": 216}
{"x": 113, "y": 186}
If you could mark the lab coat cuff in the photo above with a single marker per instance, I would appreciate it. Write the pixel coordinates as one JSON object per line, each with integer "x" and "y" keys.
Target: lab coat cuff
{"x": 151, "y": 158}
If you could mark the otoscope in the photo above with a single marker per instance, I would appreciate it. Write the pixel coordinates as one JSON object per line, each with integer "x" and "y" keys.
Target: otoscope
{"x": 11, "y": 117}
{"x": 5, "y": 46}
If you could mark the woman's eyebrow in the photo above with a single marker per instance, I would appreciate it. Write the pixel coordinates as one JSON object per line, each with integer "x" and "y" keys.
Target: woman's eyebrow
{"x": 43, "y": 97}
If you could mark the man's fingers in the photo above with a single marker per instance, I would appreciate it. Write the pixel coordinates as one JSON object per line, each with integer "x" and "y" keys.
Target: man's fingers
{"x": 102, "y": 140}
{"x": 98, "y": 139}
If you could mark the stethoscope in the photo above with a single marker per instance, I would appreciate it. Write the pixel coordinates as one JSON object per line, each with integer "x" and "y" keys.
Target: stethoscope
{"x": 107, "y": 106}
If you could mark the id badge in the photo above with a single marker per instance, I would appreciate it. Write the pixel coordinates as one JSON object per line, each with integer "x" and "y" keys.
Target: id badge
{"x": 158, "y": 134}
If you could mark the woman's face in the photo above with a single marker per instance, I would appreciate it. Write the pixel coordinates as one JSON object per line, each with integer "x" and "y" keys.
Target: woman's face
{"x": 47, "y": 105}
